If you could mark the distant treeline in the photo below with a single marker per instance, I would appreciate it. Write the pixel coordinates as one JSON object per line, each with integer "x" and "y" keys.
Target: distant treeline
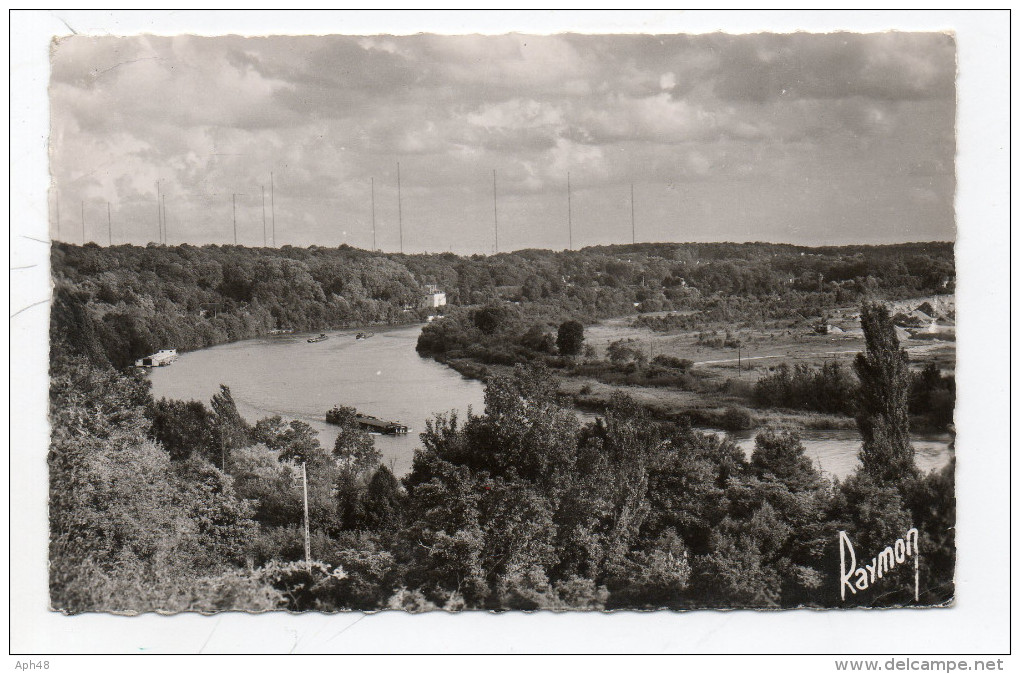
{"x": 116, "y": 304}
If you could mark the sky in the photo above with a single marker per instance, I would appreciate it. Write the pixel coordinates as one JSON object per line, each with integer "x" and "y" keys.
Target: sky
{"x": 811, "y": 139}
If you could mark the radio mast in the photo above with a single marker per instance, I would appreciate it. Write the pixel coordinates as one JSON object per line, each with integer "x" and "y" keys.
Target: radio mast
{"x": 272, "y": 205}
{"x": 570, "y": 220}
{"x": 633, "y": 236}
{"x": 400, "y": 212}
{"x": 159, "y": 213}
{"x": 495, "y": 220}
{"x": 264, "y": 241}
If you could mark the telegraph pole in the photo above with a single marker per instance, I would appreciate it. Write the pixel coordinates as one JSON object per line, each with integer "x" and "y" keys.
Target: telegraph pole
{"x": 83, "y": 222}
{"x": 308, "y": 539}
{"x": 374, "y": 247}
{"x": 633, "y": 236}
{"x": 166, "y": 233}
{"x": 159, "y": 213}
{"x": 400, "y": 212}
{"x": 264, "y": 242}
{"x": 233, "y": 198}
{"x": 495, "y": 220}
{"x": 272, "y": 205}
{"x": 109, "y": 224}
{"x": 570, "y": 221}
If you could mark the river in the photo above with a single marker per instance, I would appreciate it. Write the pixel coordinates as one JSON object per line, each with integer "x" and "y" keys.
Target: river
{"x": 384, "y": 376}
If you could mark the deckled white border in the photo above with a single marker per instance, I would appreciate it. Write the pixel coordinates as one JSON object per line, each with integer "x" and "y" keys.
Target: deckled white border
{"x": 978, "y": 623}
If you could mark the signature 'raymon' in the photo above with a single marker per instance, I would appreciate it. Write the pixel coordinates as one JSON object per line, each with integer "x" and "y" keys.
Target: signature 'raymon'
{"x": 885, "y": 561}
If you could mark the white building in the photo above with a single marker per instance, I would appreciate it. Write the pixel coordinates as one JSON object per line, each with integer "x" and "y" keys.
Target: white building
{"x": 434, "y": 297}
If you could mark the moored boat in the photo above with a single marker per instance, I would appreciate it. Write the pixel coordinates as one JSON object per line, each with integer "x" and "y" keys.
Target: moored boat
{"x": 321, "y": 338}
{"x": 377, "y": 425}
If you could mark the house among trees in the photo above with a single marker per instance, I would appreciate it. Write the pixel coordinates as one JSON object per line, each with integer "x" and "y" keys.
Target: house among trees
{"x": 434, "y": 297}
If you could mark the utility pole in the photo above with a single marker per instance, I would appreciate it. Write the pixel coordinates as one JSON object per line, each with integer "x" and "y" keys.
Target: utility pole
{"x": 374, "y": 247}
{"x": 109, "y": 224}
{"x": 272, "y": 205}
{"x": 308, "y": 539}
{"x": 738, "y": 361}
{"x": 495, "y": 220}
{"x": 83, "y": 222}
{"x": 264, "y": 242}
{"x": 159, "y": 213}
{"x": 633, "y": 236}
{"x": 166, "y": 233}
{"x": 233, "y": 198}
{"x": 400, "y": 212}
{"x": 680, "y": 210}
{"x": 570, "y": 221}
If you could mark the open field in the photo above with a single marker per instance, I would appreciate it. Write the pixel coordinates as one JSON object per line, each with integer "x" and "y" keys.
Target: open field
{"x": 727, "y": 373}
{"x": 764, "y": 347}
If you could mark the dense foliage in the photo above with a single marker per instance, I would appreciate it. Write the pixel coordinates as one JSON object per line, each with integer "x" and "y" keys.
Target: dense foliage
{"x": 116, "y": 304}
{"x": 519, "y": 507}
{"x": 182, "y": 505}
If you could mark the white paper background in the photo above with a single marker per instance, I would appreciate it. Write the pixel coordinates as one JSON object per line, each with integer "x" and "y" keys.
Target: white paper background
{"x": 979, "y": 623}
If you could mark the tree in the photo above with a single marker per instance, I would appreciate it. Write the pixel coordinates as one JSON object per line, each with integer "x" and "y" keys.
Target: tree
{"x": 570, "y": 338}
{"x": 781, "y": 454}
{"x": 354, "y": 448}
{"x": 259, "y": 476}
{"x": 537, "y": 339}
{"x": 383, "y": 500}
{"x": 232, "y": 431}
{"x": 184, "y": 428}
{"x": 298, "y": 443}
{"x": 131, "y": 530}
{"x": 489, "y": 319}
{"x": 882, "y": 399}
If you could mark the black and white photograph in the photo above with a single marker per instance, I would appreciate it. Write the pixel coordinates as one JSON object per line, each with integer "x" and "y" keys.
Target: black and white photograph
{"x": 519, "y": 322}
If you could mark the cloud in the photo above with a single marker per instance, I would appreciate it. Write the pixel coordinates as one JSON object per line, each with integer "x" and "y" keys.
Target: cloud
{"x": 889, "y": 65}
{"x": 211, "y": 117}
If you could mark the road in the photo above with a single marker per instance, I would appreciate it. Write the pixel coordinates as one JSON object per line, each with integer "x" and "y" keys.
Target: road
{"x": 783, "y": 355}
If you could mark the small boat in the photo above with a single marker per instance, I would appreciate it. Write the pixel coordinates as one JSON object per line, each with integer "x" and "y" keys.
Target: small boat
{"x": 321, "y": 338}
{"x": 364, "y": 335}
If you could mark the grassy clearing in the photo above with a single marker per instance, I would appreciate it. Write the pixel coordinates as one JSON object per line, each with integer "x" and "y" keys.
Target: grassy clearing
{"x": 721, "y": 393}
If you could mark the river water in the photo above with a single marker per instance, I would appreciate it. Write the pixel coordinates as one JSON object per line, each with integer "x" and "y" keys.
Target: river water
{"x": 384, "y": 376}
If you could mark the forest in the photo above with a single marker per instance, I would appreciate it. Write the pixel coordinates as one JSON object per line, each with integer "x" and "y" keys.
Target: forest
{"x": 116, "y": 304}
{"x": 166, "y": 505}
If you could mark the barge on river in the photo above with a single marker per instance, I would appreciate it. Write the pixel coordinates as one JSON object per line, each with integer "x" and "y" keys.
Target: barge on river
{"x": 161, "y": 358}
{"x": 377, "y": 425}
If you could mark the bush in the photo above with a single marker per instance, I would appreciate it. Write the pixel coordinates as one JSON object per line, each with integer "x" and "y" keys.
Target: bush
{"x": 829, "y": 388}
{"x": 736, "y": 419}
{"x": 537, "y": 339}
{"x": 683, "y": 364}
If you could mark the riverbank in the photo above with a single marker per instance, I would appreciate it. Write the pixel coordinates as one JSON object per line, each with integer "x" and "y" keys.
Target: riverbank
{"x": 666, "y": 404}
